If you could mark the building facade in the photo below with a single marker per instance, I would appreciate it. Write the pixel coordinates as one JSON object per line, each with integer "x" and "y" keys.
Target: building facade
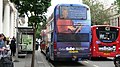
{"x": 8, "y": 16}
{"x": 115, "y": 15}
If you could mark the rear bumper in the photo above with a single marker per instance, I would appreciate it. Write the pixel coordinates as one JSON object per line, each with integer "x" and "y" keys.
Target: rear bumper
{"x": 102, "y": 54}
{"x": 76, "y": 57}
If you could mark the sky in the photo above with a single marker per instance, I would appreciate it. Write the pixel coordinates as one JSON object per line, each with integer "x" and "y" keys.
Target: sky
{"x": 107, "y": 3}
{"x": 55, "y": 2}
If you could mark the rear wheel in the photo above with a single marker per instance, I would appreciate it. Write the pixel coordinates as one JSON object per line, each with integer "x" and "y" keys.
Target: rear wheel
{"x": 117, "y": 62}
{"x": 93, "y": 58}
{"x": 41, "y": 50}
{"x": 48, "y": 55}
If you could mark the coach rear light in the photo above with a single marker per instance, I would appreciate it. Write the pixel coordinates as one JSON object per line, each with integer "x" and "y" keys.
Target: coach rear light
{"x": 90, "y": 49}
{"x": 117, "y": 41}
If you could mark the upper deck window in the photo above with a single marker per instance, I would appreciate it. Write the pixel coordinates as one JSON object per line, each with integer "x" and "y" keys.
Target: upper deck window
{"x": 107, "y": 34}
{"x": 73, "y": 12}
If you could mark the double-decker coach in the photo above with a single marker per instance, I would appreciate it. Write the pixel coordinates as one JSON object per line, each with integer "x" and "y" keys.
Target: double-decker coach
{"x": 69, "y": 33}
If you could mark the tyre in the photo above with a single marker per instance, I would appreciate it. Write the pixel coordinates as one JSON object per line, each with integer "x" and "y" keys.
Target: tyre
{"x": 48, "y": 55}
{"x": 117, "y": 62}
{"x": 41, "y": 51}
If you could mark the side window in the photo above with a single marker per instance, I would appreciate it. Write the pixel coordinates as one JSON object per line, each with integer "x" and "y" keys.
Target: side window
{"x": 52, "y": 37}
{"x": 52, "y": 28}
{"x": 52, "y": 25}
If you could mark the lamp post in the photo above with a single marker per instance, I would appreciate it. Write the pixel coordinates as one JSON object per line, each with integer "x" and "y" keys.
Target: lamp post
{"x": 16, "y": 57}
{"x": 34, "y": 45}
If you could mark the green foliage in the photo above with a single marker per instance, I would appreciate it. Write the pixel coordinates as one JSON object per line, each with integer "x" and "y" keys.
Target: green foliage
{"x": 37, "y": 10}
{"x": 98, "y": 13}
{"x": 38, "y": 31}
{"x": 118, "y": 3}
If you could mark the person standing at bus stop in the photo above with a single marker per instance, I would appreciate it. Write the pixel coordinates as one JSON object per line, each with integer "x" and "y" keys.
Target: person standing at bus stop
{"x": 2, "y": 43}
{"x": 66, "y": 25}
{"x": 13, "y": 46}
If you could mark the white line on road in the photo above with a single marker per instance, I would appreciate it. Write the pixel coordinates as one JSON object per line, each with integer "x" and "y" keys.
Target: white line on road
{"x": 95, "y": 66}
{"x": 86, "y": 61}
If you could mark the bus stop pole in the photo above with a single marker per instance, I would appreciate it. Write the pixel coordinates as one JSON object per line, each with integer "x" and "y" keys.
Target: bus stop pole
{"x": 16, "y": 57}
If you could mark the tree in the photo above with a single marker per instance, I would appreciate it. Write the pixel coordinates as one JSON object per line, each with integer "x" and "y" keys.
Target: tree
{"x": 37, "y": 10}
{"x": 118, "y": 4}
{"x": 99, "y": 14}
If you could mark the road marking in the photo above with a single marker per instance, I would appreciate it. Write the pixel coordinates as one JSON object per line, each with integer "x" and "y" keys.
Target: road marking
{"x": 86, "y": 61}
{"x": 95, "y": 66}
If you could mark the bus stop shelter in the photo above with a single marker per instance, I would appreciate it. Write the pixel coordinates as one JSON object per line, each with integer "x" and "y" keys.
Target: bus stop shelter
{"x": 25, "y": 39}
{"x": 25, "y": 30}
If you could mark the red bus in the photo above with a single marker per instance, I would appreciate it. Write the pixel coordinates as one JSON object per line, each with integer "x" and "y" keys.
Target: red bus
{"x": 43, "y": 39}
{"x": 105, "y": 41}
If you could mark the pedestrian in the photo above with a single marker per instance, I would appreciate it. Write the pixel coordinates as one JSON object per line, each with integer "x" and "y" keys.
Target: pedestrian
{"x": 2, "y": 43}
{"x": 7, "y": 44}
{"x": 13, "y": 46}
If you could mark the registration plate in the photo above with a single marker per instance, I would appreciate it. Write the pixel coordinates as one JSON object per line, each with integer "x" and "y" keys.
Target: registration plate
{"x": 73, "y": 51}
{"x": 106, "y": 53}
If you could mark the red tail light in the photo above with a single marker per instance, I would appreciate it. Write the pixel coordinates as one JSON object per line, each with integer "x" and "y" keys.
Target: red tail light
{"x": 55, "y": 46}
